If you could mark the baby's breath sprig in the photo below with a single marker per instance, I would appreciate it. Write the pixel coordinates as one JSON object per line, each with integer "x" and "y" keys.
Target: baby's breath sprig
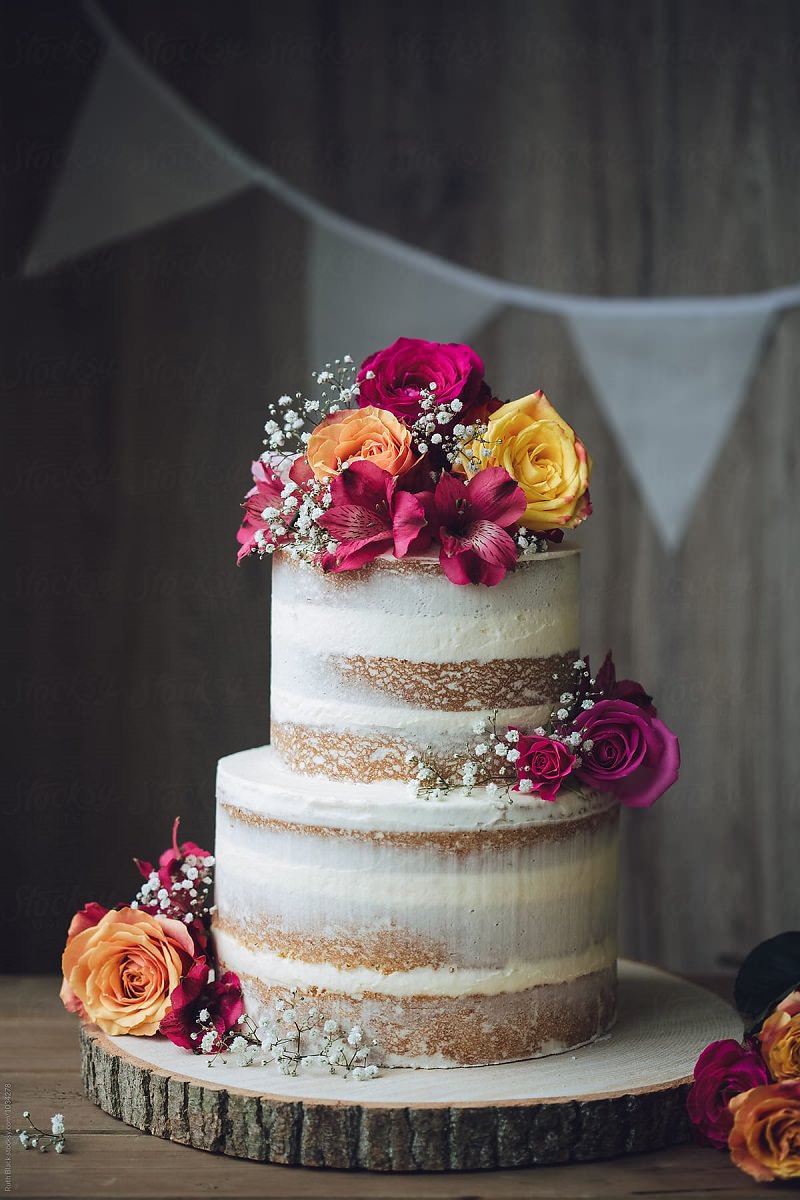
{"x": 579, "y": 693}
{"x": 490, "y": 758}
{"x": 427, "y": 779}
{"x": 438, "y": 426}
{"x": 297, "y": 1036}
{"x": 187, "y": 898}
{"x": 34, "y": 1138}
{"x": 293, "y": 526}
{"x": 290, "y": 418}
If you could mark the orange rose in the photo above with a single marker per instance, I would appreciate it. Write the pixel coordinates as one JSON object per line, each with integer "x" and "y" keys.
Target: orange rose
{"x": 765, "y": 1138}
{"x": 121, "y": 970}
{"x": 779, "y": 1038}
{"x": 367, "y": 433}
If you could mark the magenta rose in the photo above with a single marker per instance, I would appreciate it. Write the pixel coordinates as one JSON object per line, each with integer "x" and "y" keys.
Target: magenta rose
{"x": 626, "y": 752}
{"x": 544, "y": 763}
{"x": 394, "y": 378}
{"x": 220, "y": 999}
{"x": 722, "y": 1071}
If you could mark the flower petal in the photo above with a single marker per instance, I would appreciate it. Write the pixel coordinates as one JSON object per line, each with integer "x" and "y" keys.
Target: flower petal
{"x": 492, "y": 544}
{"x": 496, "y": 496}
{"x": 408, "y": 520}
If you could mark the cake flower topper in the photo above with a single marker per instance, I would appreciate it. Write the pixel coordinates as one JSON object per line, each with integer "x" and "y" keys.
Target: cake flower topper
{"x": 451, "y": 470}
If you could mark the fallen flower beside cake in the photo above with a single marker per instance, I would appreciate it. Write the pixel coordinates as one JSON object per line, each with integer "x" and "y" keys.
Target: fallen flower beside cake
{"x": 398, "y": 481}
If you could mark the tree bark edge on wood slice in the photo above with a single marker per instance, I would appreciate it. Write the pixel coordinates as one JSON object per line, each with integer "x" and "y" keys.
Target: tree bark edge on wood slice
{"x": 372, "y": 1137}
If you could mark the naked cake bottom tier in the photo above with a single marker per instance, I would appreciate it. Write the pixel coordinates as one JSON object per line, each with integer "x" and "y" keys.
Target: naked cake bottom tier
{"x": 465, "y": 931}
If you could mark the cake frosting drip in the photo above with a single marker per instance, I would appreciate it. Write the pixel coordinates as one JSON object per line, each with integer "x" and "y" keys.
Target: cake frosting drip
{"x": 369, "y": 664}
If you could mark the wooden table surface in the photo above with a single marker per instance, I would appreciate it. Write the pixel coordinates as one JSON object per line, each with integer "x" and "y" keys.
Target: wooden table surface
{"x": 105, "y": 1158}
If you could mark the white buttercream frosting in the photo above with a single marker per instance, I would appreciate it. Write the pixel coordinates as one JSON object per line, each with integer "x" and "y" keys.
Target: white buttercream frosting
{"x": 257, "y": 780}
{"x": 514, "y": 976}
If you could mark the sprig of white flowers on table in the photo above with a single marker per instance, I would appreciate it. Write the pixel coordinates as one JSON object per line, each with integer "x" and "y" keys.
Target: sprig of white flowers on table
{"x": 297, "y": 1036}
{"x": 34, "y": 1138}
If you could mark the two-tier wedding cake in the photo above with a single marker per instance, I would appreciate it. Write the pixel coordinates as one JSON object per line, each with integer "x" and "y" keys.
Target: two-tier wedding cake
{"x": 429, "y": 844}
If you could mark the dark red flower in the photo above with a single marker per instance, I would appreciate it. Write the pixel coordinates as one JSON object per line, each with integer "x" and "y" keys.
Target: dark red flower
{"x": 401, "y": 372}
{"x": 544, "y": 762}
{"x": 722, "y": 1071}
{"x": 221, "y": 999}
{"x": 370, "y": 515}
{"x": 623, "y": 689}
{"x": 471, "y": 519}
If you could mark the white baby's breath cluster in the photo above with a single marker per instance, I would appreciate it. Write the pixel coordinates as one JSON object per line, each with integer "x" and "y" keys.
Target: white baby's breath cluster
{"x": 186, "y": 899}
{"x": 426, "y": 779}
{"x": 295, "y": 1036}
{"x": 293, "y": 527}
{"x": 34, "y": 1138}
{"x": 438, "y": 426}
{"x": 290, "y": 418}
{"x": 579, "y": 688}
{"x": 486, "y": 761}
{"x": 193, "y": 885}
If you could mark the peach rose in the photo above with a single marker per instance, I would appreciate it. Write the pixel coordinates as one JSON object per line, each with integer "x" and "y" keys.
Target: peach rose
{"x": 765, "y": 1138}
{"x": 779, "y": 1038}
{"x": 121, "y": 970}
{"x": 542, "y": 453}
{"x": 370, "y": 434}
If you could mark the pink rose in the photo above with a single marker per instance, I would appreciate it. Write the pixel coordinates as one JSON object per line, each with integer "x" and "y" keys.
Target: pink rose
{"x": 722, "y": 1071}
{"x": 221, "y": 999}
{"x": 401, "y": 372}
{"x": 545, "y": 763}
{"x": 630, "y": 754}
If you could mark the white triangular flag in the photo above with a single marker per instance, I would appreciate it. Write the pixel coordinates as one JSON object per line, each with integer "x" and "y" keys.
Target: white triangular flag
{"x": 138, "y": 158}
{"x": 670, "y": 385}
{"x": 361, "y": 299}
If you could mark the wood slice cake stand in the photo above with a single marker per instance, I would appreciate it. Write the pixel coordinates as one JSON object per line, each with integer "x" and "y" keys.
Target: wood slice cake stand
{"x": 621, "y": 1095}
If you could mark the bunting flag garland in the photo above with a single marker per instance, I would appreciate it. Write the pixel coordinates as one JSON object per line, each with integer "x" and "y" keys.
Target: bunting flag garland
{"x": 669, "y": 374}
{"x": 670, "y": 389}
{"x": 133, "y": 163}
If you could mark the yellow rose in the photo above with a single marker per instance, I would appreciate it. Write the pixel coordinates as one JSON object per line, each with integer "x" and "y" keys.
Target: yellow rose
{"x": 369, "y": 433}
{"x": 541, "y": 452}
{"x": 123, "y": 969}
{"x": 779, "y": 1037}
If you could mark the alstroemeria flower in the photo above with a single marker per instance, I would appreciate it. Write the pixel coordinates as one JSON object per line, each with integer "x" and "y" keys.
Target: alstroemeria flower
{"x": 220, "y": 1001}
{"x": 369, "y": 516}
{"x": 471, "y": 520}
{"x": 266, "y": 494}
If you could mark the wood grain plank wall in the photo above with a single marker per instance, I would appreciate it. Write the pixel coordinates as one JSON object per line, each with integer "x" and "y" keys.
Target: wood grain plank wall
{"x": 608, "y": 148}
